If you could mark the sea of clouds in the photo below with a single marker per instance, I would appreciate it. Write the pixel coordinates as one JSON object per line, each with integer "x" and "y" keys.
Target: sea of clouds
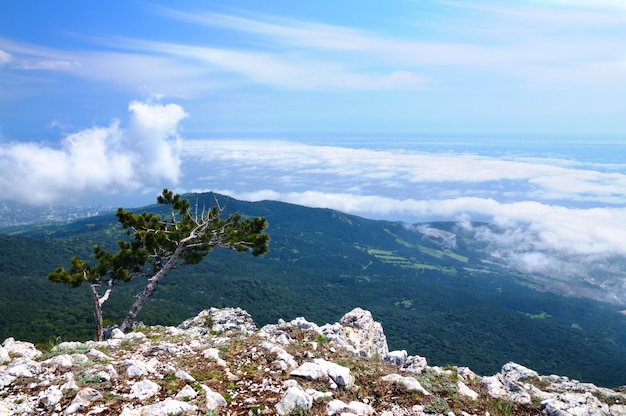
{"x": 557, "y": 214}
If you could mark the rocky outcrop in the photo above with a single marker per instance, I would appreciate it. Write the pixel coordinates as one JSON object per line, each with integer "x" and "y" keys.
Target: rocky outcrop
{"x": 220, "y": 363}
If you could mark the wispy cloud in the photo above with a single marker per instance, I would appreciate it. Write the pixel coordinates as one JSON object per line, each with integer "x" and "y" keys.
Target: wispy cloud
{"x": 109, "y": 160}
{"x": 539, "y": 45}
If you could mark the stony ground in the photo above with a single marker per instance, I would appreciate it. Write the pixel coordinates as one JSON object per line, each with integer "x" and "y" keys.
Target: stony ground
{"x": 219, "y": 364}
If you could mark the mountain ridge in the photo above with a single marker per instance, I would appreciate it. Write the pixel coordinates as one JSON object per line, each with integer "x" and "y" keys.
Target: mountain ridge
{"x": 450, "y": 301}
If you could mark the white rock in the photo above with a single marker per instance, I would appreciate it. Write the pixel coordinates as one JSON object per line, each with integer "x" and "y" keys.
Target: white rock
{"x": 618, "y": 410}
{"x": 98, "y": 355}
{"x": 4, "y": 355}
{"x": 23, "y": 367}
{"x": 168, "y": 407}
{"x": 213, "y": 399}
{"x": 415, "y": 364}
{"x": 21, "y": 349}
{"x": 516, "y": 372}
{"x": 117, "y": 333}
{"x": 305, "y": 325}
{"x": 283, "y": 359}
{"x": 465, "y": 391}
{"x": 59, "y": 361}
{"x": 578, "y": 404}
{"x": 397, "y": 357}
{"x": 294, "y": 398}
{"x": 186, "y": 392}
{"x": 505, "y": 389}
{"x": 82, "y": 400}
{"x": 335, "y": 406}
{"x": 183, "y": 375}
{"x": 6, "y": 379}
{"x": 365, "y": 333}
{"x": 337, "y": 373}
{"x": 319, "y": 395}
{"x": 70, "y": 383}
{"x": 220, "y": 320}
{"x": 51, "y": 396}
{"x": 361, "y": 408}
{"x": 409, "y": 382}
{"x": 138, "y": 368}
{"x": 310, "y": 371}
{"x": 320, "y": 369}
{"x": 214, "y": 354}
{"x": 144, "y": 389}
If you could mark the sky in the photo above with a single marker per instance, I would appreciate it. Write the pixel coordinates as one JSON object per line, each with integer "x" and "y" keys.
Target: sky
{"x": 510, "y": 112}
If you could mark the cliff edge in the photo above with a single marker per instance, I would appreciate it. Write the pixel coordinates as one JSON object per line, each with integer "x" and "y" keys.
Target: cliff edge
{"x": 220, "y": 363}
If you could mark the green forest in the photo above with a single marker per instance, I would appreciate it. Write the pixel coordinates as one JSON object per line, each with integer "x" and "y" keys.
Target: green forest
{"x": 433, "y": 299}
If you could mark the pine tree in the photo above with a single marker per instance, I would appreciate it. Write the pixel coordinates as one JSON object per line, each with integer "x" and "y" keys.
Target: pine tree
{"x": 157, "y": 245}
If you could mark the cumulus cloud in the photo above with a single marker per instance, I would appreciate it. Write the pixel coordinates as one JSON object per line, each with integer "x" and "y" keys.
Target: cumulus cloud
{"x": 108, "y": 160}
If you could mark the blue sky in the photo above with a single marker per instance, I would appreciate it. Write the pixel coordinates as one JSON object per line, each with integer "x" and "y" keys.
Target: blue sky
{"x": 524, "y": 67}
{"x": 509, "y": 112}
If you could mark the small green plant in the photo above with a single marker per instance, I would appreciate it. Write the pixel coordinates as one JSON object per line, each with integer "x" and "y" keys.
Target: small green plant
{"x": 321, "y": 339}
{"x": 502, "y": 407}
{"x": 212, "y": 412}
{"x": 91, "y": 379}
{"x": 439, "y": 406}
{"x": 300, "y": 411}
{"x": 257, "y": 410}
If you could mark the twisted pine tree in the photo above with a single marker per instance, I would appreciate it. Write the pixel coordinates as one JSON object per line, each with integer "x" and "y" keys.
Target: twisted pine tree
{"x": 158, "y": 245}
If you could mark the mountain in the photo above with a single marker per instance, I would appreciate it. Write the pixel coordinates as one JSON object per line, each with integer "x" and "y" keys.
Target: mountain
{"x": 437, "y": 288}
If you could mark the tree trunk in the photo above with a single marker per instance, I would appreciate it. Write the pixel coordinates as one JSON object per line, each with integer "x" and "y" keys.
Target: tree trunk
{"x": 97, "y": 312}
{"x": 153, "y": 282}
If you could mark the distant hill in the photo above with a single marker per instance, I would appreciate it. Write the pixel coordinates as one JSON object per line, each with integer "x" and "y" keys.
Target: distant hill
{"x": 437, "y": 289}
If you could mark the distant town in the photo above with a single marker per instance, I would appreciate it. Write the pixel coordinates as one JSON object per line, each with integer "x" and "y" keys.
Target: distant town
{"x": 15, "y": 214}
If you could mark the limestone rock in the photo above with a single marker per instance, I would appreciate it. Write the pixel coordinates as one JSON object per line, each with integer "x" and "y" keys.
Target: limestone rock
{"x": 410, "y": 383}
{"x": 50, "y": 397}
{"x": 4, "y": 355}
{"x": 144, "y": 389}
{"x": 575, "y": 404}
{"x": 365, "y": 333}
{"x": 168, "y": 407}
{"x": 158, "y": 368}
{"x": 220, "y": 320}
{"x": 23, "y": 367}
{"x": 465, "y": 391}
{"x": 295, "y": 397}
{"x": 397, "y": 357}
{"x": 82, "y": 400}
{"x": 320, "y": 369}
{"x": 213, "y": 399}
{"x": 21, "y": 349}
{"x": 186, "y": 392}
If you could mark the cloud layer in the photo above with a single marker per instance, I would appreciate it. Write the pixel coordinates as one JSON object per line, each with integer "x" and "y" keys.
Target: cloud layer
{"x": 558, "y": 216}
{"x": 109, "y": 160}
{"x": 566, "y": 205}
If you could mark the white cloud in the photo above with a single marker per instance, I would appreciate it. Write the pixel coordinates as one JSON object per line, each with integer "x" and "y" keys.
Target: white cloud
{"x": 5, "y": 58}
{"x": 555, "y": 204}
{"x": 532, "y": 225}
{"x": 406, "y": 174}
{"x": 105, "y": 160}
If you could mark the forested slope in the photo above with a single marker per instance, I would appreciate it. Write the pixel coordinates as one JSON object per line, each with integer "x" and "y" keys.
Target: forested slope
{"x": 433, "y": 291}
